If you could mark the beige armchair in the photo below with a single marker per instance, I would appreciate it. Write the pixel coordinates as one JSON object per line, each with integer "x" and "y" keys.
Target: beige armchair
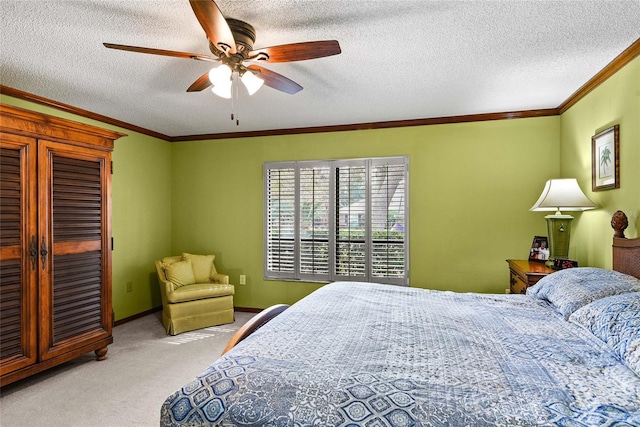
{"x": 194, "y": 294}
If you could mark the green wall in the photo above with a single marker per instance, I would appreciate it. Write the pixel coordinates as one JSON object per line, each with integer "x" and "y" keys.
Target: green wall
{"x": 616, "y": 101}
{"x": 141, "y": 220}
{"x": 471, "y": 186}
{"x": 141, "y": 212}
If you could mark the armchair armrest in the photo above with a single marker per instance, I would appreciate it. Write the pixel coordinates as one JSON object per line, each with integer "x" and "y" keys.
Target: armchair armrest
{"x": 222, "y": 279}
{"x": 168, "y": 286}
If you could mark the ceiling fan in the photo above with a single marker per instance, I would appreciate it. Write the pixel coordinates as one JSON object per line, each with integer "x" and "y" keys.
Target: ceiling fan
{"x": 231, "y": 43}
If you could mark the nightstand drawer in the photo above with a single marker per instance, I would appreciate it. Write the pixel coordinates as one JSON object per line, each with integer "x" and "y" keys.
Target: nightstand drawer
{"x": 516, "y": 284}
{"x": 524, "y": 274}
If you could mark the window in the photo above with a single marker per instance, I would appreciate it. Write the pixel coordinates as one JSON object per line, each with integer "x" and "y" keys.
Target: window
{"x": 337, "y": 220}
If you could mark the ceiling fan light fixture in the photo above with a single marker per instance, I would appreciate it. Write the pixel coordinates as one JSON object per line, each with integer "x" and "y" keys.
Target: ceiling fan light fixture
{"x": 252, "y": 82}
{"x": 220, "y": 77}
{"x": 223, "y": 91}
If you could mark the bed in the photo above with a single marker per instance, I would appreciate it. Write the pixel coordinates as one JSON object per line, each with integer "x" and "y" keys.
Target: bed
{"x": 363, "y": 354}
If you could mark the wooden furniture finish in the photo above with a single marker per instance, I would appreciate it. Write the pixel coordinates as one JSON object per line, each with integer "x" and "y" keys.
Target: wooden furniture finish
{"x": 55, "y": 241}
{"x": 626, "y": 252}
{"x": 524, "y": 274}
{"x": 626, "y": 256}
{"x": 255, "y": 323}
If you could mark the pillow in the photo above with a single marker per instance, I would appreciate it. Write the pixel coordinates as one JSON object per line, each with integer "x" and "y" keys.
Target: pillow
{"x": 171, "y": 259}
{"x": 616, "y": 321}
{"x": 180, "y": 273}
{"x": 202, "y": 265}
{"x": 568, "y": 290}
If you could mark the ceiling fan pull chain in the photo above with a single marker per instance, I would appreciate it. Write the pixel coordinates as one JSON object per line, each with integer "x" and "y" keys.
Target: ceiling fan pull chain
{"x": 236, "y": 94}
{"x": 233, "y": 97}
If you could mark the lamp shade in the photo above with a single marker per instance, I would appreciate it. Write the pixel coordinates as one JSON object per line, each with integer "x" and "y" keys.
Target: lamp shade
{"x": 562, "y": 194}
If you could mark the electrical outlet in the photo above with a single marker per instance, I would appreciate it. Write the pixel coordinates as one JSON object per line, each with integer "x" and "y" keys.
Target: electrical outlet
{"x": 243, "y": 279}
{"x": 129, "y": 286}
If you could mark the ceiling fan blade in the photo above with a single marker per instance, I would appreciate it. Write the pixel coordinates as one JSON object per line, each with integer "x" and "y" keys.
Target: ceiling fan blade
{"x": 162, "y": 52}
{"x": 298, "y": 51}
{"x": 214, "y": 24}
{"x": 202, "y": 83}
{"x": 276, "y": 81}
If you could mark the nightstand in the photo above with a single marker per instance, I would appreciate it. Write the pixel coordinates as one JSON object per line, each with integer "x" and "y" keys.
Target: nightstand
{"x": 524, "y": 274}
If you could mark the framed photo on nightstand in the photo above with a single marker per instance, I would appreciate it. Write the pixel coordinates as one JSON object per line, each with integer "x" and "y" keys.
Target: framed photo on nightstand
{"x": 539, "y": 249}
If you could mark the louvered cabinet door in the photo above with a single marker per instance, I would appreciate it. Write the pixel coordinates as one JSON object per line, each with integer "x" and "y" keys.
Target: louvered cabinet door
{"x": 74, "y": 248}
{"x": 18, "y": 342}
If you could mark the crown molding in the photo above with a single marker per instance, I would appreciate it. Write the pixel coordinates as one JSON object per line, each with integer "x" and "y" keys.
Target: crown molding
{"x": 614, "y": 66}
{"x": 16, "y": 93}
{"x": 374, "y": 125}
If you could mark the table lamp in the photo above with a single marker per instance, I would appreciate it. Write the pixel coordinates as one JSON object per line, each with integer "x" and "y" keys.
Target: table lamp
{"x": 557, "y": 195}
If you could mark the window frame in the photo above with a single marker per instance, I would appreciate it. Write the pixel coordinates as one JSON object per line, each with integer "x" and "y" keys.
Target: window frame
{"x": 333, "y": 213}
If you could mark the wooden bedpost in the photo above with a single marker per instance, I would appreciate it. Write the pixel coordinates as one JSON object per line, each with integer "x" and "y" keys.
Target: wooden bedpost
{"x": 619, "y": 223}
{"x": 626, "y": 252}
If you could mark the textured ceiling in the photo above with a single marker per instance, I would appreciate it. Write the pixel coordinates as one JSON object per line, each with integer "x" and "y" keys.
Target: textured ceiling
{"x": 400, "y": 60}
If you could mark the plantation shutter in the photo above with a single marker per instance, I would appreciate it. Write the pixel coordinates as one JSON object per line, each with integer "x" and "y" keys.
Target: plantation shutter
{"x": 337, "y": 220}
{"x": 351, "y": 221}
{"x": 388, "y": 222}
{"x": 314, "y": 217}
{"x": 280, "y": 226}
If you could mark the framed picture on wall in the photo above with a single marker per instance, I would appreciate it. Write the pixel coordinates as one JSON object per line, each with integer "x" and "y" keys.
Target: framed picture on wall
{"x": 539, "y": 249}
{"x": 605, "y": 159}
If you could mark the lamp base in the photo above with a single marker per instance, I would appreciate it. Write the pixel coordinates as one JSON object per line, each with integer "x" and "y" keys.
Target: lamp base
{"x": 559, "y": 233}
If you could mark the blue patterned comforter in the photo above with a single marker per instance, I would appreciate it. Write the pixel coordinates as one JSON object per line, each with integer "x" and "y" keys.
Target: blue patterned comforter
{"x": 360, "y": 354}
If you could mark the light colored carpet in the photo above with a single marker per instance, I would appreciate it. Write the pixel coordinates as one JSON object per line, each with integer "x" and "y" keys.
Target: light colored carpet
{"x": 143, "y": 367}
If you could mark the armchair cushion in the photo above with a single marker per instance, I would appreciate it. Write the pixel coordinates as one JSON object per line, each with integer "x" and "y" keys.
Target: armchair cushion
{"x": 203, "y": 266}
{"x": 199, "y": 291}
{"x": 180, "y": 273}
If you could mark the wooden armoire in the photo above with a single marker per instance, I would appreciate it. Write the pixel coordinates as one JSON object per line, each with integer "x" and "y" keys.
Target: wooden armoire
{"x": 55, "y": 241}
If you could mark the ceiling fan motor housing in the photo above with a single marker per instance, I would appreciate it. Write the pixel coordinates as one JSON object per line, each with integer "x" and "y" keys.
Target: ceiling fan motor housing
{"x": 244, "y": 35}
